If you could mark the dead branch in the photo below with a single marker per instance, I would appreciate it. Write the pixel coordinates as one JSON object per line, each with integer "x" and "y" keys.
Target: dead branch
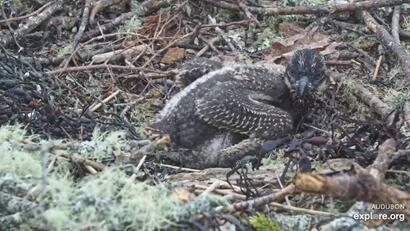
{"x": 27, "y": 15}
{"x": 376, "y": 70}
{"x": 83, "y": 25}
{"x": 303, "y": 210}
{"x": 106, "y": 27}
{"x": 380, "y": 107}
{"x": 259, "y": 177}
{"x": 102, "y": 66}
{"x": 406, "y": 111}
{"x": 365, "y": 185}
{"x": 395, "y": 24}
{"x": 145, "y": 9}
{"x": 240, "y": 206}
{"x": 318, "y": 10}
{"x": 389, "y": 43}
{"x": 32, "y": 23}
{"x": 100, "y": 6}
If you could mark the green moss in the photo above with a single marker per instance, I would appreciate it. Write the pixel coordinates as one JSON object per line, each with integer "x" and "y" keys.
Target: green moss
{"x": 353, "y": 104}
{"x": 109, "y": 200}
{"x": 64, "y": 50}
{"x": 262, "y": 223}
{"x": 274, "y": 162}
{"x": 132, "y": 25}
{"x": 14, "y": 159}
{"x": 103, "y": 144}
{"x": 106, "y": 201}
{"x": 266, "y": 38}
{"x": 135, "y": 4}
{"x": 396, "y": 99}
{"x": 224, "y": 15}
{"x": 336, "y": 206}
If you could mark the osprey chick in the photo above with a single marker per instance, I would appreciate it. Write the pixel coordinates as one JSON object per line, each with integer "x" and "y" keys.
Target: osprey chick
{"x": 217, "y": 110}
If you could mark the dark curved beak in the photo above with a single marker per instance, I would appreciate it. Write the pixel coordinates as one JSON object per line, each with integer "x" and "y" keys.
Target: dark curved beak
{"x": 302, "y": 85}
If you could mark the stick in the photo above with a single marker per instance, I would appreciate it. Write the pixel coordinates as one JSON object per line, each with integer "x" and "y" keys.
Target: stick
{"x": 27, "y": 15}
{"x": 83, "y": 25}
{"x": 388, "y": 42}
{"x": 98, "y": 105}
{"x": 376, "y": 70}
{"x": 308, "y": 211}
{"x": 395, "y": 24}
{"x": 365, "y": 185}
{"x": 33, "y": 22}
{"x": 240, "y": 206}
{"x": 318, "y": 9}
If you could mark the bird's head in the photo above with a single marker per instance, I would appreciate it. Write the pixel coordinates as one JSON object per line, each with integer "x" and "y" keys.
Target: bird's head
{"x": 305, "y": 71}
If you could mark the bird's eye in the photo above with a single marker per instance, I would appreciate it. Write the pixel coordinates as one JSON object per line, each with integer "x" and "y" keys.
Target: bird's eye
{"x": 291, "y": 72}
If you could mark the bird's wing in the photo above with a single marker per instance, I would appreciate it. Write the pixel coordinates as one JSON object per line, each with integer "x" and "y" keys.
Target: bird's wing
{"x": 230, "y": 107}
{"x": 194, "y": 69}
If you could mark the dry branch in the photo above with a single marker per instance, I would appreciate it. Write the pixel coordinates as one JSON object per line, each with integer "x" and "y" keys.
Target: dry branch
{"x": 115, "y": 67}
{"x": 83, "y": 25}
{"x": 27, "y": 15}
{"x": 145, "y": 9}
{"x": 395, "y": 24}
{"x": 258, "y": 176}
{"x": 388, "y": 42}
{"x": 318, "y": 10}
{"x": 380, "y": 107}
{"x": 406, "y": 111}
{"x": 365, "y": 185}
{"x": 32, "y": 23}
{"x": 264, "y": 200}
{"x": 303, "y": 210}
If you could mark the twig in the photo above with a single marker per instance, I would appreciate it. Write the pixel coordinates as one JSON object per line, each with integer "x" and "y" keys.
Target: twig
{"x": 308, "y": 211}
{"x": 27, "y": 15}
{"x": 229, "y": 192}
{"x": 103, "y": 66}
{"x": 11, "y": 30}
{"x": 97, "y": 166}
{"x": 406, "y": 111}
{"x": 33, "y": 22}
{"x": 338, "y": 62}
{"x": 365, "y": 185}
{"x": 140, "y": 163}
{"x": 376, "y": 70}
{"x": 179, "y": 168}
{"x": 211, "y": 188}
{"x": 145, "y": 9}
{"x": 370, "y": 99}
{"x": 318, "y": 9}
{"x": 223, "y": 35}
{"x": 83, "y": 25}
{"x": 388, "y": 42}
{"x": 209, "y": 44}
{"x": 110, "y": 97}
{"x": 90, "y": 169}
{"x": 395, "y": 24}
{"x": 248, "y": 14}
{"x": 240, "y": 206}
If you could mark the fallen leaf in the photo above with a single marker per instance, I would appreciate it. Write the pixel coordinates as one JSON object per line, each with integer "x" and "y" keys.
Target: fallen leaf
{"x": 289, "y": 29}
{"x": 305, "y": 40}
{"x": 119, "y": 54}
{"x": 173, "y": 54}
{"x": 183, "y": 195}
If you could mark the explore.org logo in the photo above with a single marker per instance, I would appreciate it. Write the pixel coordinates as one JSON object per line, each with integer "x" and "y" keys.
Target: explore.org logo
{"x": 384, "y": 214}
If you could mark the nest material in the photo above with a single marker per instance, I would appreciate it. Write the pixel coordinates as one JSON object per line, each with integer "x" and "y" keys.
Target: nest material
{"x": 29, "y": 97}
